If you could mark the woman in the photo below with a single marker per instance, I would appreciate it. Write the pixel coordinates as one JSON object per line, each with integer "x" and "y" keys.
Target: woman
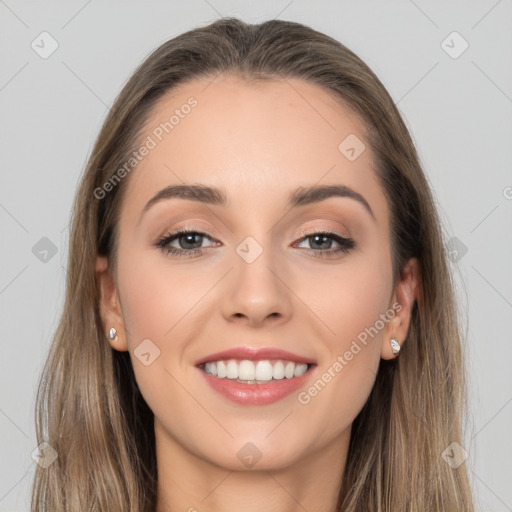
{"x": 259, "y": 313}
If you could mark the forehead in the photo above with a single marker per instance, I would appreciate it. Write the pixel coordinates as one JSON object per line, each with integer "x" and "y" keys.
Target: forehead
{"x": 255, "y": 139}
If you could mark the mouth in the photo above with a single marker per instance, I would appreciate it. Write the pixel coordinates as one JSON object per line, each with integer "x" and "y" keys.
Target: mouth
{"x": 255, "y": 372}
{"x": 255, "y": 376}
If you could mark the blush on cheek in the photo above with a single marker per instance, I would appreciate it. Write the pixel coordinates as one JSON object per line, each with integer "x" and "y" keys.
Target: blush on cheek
{"x": 355, "y": 308}
{"x": 148, "y": 297}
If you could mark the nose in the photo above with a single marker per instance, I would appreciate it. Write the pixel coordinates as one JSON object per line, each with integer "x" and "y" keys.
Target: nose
{"x": 257, "y": 293}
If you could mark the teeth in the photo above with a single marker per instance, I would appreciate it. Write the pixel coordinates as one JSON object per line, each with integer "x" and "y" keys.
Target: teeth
{"x": 232, "y": 370}
{"x": 221, "y": 369}
{"x": 210, "y": 368}
{"x": 278, "y": 370}
{"x": 246, "y": 370}
{"x": 255, "y": 371}
{"x": 264, "y": 370}
{"x": 300, "y": 369}
{"x": 289, "y": 370}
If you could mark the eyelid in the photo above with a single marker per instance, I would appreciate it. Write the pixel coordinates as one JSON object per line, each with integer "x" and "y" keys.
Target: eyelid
{"x": 303, "y": 233}
{"x": 189, "y": 228}
{"x": 176, "y": 232}
{"x": 327, "y": 231}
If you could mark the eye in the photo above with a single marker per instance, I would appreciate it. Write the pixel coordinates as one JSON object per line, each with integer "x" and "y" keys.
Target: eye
{"x": 189, "y": 242}
{"x": 321, "y": 243}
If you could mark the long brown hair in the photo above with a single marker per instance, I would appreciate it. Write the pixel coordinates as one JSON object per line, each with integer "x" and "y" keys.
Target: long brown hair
{"x": 89, "y": 408}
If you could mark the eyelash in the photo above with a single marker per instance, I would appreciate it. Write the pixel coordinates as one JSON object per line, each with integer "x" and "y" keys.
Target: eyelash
{"x": 346, "y": 244}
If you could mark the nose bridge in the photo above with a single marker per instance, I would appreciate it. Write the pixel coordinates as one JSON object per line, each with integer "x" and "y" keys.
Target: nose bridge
{"x": 255, "y": 291}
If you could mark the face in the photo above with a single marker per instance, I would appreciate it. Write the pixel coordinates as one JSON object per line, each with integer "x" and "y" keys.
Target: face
{"x": 261, "y": 268}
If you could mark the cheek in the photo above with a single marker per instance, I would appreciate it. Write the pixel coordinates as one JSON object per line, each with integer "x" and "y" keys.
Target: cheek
{"x": 163, "y": 303}
{"x": 351, "y": 297}
{"x": 156, "y": 296}
{"x": 158, "y": 305}
{"x": 356, "y": 304}
{"x": 353, "y": 306}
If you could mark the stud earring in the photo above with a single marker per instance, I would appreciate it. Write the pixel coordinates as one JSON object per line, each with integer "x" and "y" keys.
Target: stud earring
{"x": 112, "y": 334}
{"x": 395, "y": 346}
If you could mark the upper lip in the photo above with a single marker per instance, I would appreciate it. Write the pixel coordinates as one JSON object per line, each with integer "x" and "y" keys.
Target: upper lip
{"x": 255, "y": 354}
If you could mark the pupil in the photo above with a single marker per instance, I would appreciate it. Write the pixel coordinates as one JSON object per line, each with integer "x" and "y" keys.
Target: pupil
{"x": 326, "y": 240}
{"x": 189, "y": 238}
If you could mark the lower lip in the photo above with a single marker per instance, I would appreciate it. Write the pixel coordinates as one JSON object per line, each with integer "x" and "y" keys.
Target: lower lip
{"x": 256, "y": 394}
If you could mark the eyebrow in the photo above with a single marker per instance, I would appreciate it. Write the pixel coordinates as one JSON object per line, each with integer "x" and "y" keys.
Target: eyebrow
{"x": 216, "y": 196}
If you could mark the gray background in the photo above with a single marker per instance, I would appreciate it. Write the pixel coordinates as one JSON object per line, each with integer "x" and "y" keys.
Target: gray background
{"x": 458, "y": 111}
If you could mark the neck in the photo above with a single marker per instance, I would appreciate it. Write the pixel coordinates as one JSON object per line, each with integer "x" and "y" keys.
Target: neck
{"x": 189, "y": 483}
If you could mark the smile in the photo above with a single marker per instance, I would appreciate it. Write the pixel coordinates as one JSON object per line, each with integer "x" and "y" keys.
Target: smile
{"x": 256, "y": 376}
{"x": 255, "y": 372}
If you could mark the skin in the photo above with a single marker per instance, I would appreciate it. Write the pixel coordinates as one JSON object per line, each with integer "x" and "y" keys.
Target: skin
{"x": 258, "y": 141}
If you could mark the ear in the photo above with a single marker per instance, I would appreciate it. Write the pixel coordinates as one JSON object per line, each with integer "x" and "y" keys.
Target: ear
{"x": 110, "y": 309}
{"x": 405, "y": 294}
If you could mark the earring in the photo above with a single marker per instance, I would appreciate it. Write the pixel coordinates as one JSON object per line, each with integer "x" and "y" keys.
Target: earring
{"x": 112, "y": 334}
{"x": 395, "y": 346}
